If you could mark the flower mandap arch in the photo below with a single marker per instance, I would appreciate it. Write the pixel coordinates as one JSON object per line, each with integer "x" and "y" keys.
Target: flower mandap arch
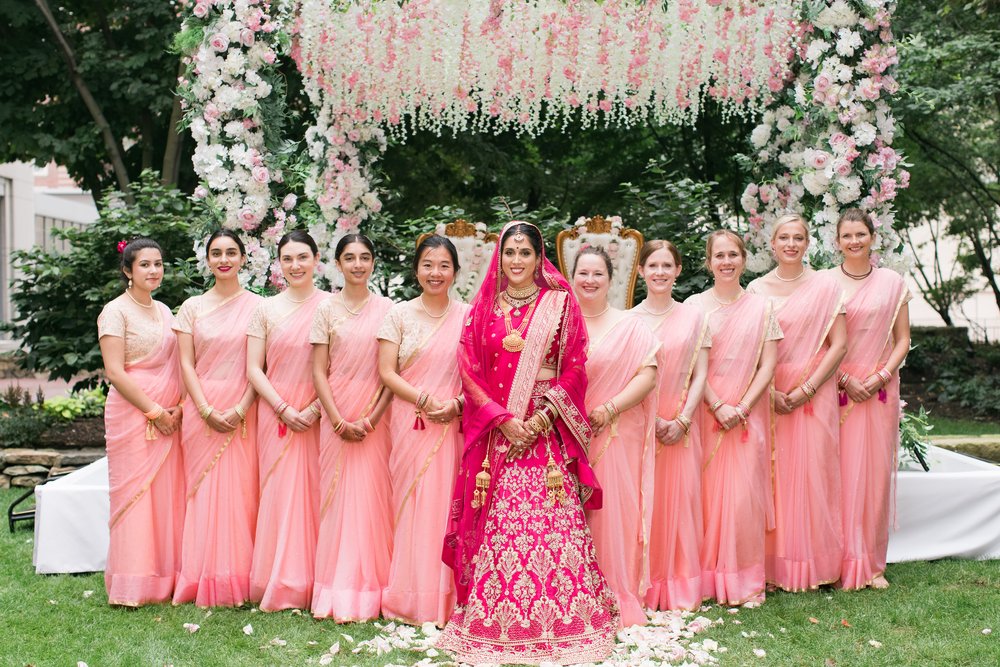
{"x": 818, "y": 75}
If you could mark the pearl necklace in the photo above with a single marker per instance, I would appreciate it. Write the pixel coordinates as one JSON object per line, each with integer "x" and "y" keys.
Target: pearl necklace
{"x": 606, "y": 309}
{"x": 726, "y": 303}
{"x": 139, "y": 303}
{"x": 343, "y": 302}
{"x": 426, "y": 312}
{"x": 789, "y": 280}
{"x": 660, "y": 314}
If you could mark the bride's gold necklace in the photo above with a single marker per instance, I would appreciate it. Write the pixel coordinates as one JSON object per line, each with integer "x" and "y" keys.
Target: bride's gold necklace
{"x": 519, "y": 299}
{"x": 514, "y": 340}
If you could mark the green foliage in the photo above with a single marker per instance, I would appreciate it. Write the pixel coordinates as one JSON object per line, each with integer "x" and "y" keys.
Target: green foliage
{"x": 84, "y": 403}
{"x": 914, "y": 435}
{"x": 21, "y": 422}
{"x": 58, "y": 295}
{"x": 978, "y": 393}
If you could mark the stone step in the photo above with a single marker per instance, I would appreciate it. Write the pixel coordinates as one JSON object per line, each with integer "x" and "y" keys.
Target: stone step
{"x": 77, "y": 458}
{"x": 37, "y": 457}
{"x": 15, "y": 471}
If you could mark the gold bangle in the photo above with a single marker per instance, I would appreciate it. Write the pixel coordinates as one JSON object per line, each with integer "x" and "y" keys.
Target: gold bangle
{"x": 155, "y": 413}
{"x": 240, "y": 411}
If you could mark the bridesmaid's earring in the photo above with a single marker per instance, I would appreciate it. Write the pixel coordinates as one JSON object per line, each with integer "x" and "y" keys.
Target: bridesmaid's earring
{"x": 130, "y": 283}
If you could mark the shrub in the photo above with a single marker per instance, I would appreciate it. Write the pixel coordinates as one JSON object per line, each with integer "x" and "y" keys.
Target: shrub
{"x": 21, "y": 422}
{"x": 85, "y": 403}
{"x": 57, "y": 296}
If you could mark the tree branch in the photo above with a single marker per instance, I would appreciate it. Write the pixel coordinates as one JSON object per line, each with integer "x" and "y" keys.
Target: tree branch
{"x": 952, "y": 158}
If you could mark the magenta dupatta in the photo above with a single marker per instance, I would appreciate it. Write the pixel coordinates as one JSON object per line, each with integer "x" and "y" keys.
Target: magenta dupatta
{"x": 497, "y": 386}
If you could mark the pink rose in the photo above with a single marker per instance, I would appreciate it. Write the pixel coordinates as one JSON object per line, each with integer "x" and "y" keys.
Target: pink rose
{"x": 200, "y": 192}
{"x": 268, "y": 57}
{"x": 211, "y": 112}
{"x": 842, "y": 167}
{"x": 822, "y": 83}
{"x": 288, "y": 203}
{"x": 261, "y": 174}
{"x": 246, "y": 37}
{"x": 817, "y": 159}
{"x": 200, "y": 10}
{"x": 219, "y": 42}
{"x": 248, "y": 218}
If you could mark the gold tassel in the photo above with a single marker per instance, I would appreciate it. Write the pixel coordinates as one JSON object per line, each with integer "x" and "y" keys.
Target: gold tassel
{"x": 150, "y": 430}
{"x": 482, "y": 484}
{"x": 614, "y": 426}
{"x": 243, "y": 423}
{"x": 554, "y": 480}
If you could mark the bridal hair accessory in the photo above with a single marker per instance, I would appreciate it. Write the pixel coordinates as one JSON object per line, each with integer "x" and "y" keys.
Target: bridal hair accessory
{"x": 121, "y": 246}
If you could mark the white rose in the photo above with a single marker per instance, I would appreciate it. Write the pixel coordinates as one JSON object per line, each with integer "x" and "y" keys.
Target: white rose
{"x": 816, "y": 49}
{"x": 864, "y": 134}
{"x": 848, "y": 189}
{"x": 848, "y": 42}
{"x": 760, "y": 136}
{"x": 815, "y": 182}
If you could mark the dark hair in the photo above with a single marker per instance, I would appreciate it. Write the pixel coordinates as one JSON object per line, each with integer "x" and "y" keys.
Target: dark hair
{"x": 298, "y": 236}
{"x": 649, "y": 247}
{"x": 534, "y": 236}
{"x": 347, "y": 239}
{"x": 597, "y": 251}
{"x": 720, "y": 233}
{"x": 435, "y": 241}
{"x": 132, "y": 249}
{"x": 856, "y": 215}
{"x": 229, "y": 234}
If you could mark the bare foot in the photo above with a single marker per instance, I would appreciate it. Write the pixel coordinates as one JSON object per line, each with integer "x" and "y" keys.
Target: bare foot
{"x": 880, "y": 583}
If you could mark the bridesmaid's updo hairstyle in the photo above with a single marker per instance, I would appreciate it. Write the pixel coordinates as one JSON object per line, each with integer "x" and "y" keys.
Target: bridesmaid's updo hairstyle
{"x": 534, "y": 236}
{"x": 132, "y": 249}
{"x": 229, "y": 234}
{"x": 598, "y": 252}
{"x": 856, "y": 215}
{"x": 298, "y": 236}
{"x": 719, "y": 233}
{"x": 348, "y": 239}
{"x": 649, "y": 247}
{"x": 436, "y": 241}
{"x": 786, "y": 219}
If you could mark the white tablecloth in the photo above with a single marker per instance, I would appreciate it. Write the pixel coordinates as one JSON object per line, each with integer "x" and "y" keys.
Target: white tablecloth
{"x": 71, "y": 521}
{"x": 952, "y": 511}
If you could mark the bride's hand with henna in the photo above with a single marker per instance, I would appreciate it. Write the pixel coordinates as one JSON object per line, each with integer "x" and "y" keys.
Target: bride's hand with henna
{"x": 517, "y": 435}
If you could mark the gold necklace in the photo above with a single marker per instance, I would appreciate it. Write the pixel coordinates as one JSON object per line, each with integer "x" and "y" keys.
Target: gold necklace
{"x": 364, "y": 303}
{"x": 660, "y": 314}
{"x": 606, "y": 309}
{"x": 789, "y": 280}
{"x": 514, "y": 340}
{"x": 436, "y": 317}
{"x": 522, "y": 292}
{"x": 517, "y": 303}
{"x": 726, "y": 303}
{"x": 139, "y": 303}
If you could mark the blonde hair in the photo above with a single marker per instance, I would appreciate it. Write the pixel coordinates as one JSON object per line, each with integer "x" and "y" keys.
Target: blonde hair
{"x": 787, "y": 218}
{"x": 649, "y": 247}
{"x": 710, "y": 241}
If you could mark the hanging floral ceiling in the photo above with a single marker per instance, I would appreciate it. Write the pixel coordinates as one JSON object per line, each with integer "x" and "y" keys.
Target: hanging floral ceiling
{"x": 817, "y": 75}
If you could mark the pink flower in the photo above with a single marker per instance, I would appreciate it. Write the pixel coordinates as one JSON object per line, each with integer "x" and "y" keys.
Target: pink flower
{"x": 246, "y": 37}
{"x": 248, "y": 218}
{"x": 211, "y": 112}
{"x": 200, "y": 10}
{"x": 200, "y": 192}
{"x": 842, "y": 167}
{"x": 268, "y": 57}
{"x": 219, "y": 42}
{"x": 288, "y": 203}
{"x": 817, "y": 159}
{"x": 261, "y": 174}
{"x": 822, "y": 83}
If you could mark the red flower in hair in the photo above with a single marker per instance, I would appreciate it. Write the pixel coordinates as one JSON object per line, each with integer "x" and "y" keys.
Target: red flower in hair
{"x": 121, "y": 246}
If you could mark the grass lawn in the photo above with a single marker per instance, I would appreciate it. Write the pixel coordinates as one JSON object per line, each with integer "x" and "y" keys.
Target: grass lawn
{"x": 948, "y": 426}
{"x": 934, "y": 614}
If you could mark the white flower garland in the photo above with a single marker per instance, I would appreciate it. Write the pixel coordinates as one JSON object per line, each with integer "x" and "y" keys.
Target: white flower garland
{"x": 825, "y": 142}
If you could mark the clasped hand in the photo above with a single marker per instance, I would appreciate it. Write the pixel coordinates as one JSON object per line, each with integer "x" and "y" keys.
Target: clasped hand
{"x": 440, "y": 412}
{"x": 519, "y": 437}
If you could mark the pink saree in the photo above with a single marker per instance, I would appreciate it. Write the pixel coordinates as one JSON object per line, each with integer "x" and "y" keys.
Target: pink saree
{"x": 736, "y": 478}
{"x": 623, "y": 458}
{"x": 805, "y": 548}
{"x": 221, "y": 468}
{"x": 355, "y": 528}
{"x": 529, "y": 587}
{"x": 422, "y": 468}
{"x": 146, "y": 479}
{"x": 676, "y": 535}
{"x": 281, "y": 575}
{"x": 869, "y": 431}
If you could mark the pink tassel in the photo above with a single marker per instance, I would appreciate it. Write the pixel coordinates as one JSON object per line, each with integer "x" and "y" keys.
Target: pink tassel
{"x": 809, "y": 408}
{"x": 418, "y": 423}
{"x": 882, "y": 395}
{"x": 843, "y": 398}
{"x": 282, "y": 429}
{"x": 746, "y": 434}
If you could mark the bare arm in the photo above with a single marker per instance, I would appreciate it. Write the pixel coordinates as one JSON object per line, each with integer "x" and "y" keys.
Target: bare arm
{"x": 728, "y": 415}
{"x": 637, "y": 389}
{"x": 222, "y": 419}
{"x": 113, "y": 352}
{"x": 837, "y": 339}
{"x": 900, "y": 348}
{"x": 256, "y": 373}
{"x": 669, "y": 432}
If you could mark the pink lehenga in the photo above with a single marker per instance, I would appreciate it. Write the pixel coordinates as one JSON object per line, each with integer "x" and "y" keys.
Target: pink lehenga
{"x": 676, "y": 535}
{"x": 281, "y": 576}
{"x": 221, "y": 468}
{"x": 869, "y": 431}
{"x": 422, "y": 467}
{"x": 355, "y": 514}
{"x": 736, "y": 473}
{"x": 529, "y": 586}
{"x": 145, "y": 471}
{"x": 623, "y": 458}
{"x": 805, "y": 548}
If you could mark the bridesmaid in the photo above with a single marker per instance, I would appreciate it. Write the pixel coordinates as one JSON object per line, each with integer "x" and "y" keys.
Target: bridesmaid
{"x": 878, "y": 338}
{"x": 806, "y": 547}
{"x": 735, "y": 430}
{"x": 418, "y": 362}
{"x": 682, "y": 329}
{"x": 279, "y": 367}
{"x": 141, "y": 418}
{"x": 220, "y": 450}
{"x": 621, "y": 373}
{"x": 355, "y": 529}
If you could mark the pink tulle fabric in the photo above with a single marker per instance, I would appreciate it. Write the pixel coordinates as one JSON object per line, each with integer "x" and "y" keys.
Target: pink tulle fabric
{"x": 146, "y": 479}
{"x": 736, "y": 478}
{"x": 422, "y": 469}
{"x": 221, "y": 468}
{"x": 355, "y": 530}
{"x": 281, "y": 576}
{"x": 529, "y": 587}
{"x": 805, "y": 548}
{"x": 869, "y": 431}
{"x": 676, "y": 534}
{"x": 624, "y": 463}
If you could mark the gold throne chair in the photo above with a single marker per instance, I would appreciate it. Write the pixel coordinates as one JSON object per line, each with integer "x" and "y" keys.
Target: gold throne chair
{"x": 621, "y": 243}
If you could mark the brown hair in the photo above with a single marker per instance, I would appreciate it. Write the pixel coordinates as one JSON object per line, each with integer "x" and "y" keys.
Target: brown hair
{"x": 710, "y": 241}
{"x": 599, "y": 252}
{"x": 649, "y": 247}
{"x": 787, "y": 218}
{"x": 856, "y": 215}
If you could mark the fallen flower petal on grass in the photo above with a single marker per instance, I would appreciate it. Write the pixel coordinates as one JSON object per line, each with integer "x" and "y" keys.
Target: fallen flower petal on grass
{"x": 760, "y": 653}
{"x": 844, "y": 623}
{"x": 248, "y": 629}
{"x": 347, "y": 638}
{"x": 987, "y": 631}
{"x": 277, "y": 641}
{"x": 192, "y": 627}
{"x": 875, "y": 643}
{"x": 87, "y": 594}
{"x": 813, "y": 620}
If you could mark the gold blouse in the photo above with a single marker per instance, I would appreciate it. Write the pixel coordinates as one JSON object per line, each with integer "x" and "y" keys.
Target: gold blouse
{"x": 122, "y": 318}
{"x": 404, "y": 327}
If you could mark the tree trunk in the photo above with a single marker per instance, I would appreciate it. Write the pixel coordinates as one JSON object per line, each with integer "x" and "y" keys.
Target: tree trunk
{"x": 984, "y": 264}
{"x": 111, "y": 143}
{"x": 174, "y": 149}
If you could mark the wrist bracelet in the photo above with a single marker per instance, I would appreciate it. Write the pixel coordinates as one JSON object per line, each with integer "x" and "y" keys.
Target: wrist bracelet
{"x": 715, "y": 406}
{"x": 281, "y": 408}
{"x": 339, "y": 428}
{"x": 684, "y": 422}
{"x": 368, "y": 425}
{"x": 205, "y": 410}
{"x": 240, "y": 412}
{"x": 155, "y": 413}
{"x": 313, "y": 409}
